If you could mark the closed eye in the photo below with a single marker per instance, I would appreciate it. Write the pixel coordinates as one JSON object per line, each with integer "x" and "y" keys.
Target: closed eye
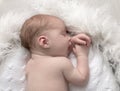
{"x": 68, "y": 32}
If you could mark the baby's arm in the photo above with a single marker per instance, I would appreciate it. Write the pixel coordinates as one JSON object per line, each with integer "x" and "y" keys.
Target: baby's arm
{"x": 81, "y": 50}
{"x": 80, "y": 74}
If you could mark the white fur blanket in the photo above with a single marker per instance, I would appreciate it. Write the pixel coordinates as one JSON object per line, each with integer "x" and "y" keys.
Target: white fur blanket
{"x": 80, "y": 17}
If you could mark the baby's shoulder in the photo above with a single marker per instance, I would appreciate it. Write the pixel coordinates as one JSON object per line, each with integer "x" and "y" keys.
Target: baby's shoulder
{"x": 62, "y": 61}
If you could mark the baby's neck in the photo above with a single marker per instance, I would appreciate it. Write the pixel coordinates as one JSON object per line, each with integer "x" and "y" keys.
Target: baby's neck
{"x": 39, "y": 53}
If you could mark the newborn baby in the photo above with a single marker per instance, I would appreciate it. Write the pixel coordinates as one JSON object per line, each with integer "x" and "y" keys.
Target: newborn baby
{"x": 49, "y": 43}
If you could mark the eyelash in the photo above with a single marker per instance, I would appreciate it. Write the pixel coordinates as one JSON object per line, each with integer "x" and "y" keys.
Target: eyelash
{"x": 68, "y": 32}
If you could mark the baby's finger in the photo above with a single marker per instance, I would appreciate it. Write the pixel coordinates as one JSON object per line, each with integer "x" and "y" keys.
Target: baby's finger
{"x": 79, "y": 41}
{"x": 84, "y": 37}
{"x": 89, "y": 42}
{"x": 74, "y": 50}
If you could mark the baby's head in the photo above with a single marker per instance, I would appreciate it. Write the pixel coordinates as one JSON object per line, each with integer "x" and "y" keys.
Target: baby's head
{"x": 46, "y": 34}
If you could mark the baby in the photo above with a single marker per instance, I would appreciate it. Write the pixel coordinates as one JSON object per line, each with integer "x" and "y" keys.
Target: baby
{"x": 49, "y": 43}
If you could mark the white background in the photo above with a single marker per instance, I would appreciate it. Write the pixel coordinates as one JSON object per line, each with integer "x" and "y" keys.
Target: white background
{"x": 6, "y": 5}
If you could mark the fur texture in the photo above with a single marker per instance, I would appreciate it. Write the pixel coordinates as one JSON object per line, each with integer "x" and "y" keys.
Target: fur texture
{"x": 79, "y": 17}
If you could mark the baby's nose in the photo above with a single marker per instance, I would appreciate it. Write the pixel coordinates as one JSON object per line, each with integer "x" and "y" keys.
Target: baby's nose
{"x": 69, "y": 38}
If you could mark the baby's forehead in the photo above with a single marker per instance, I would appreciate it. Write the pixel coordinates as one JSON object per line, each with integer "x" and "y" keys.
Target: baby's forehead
{"x": 50, "y": 21}
{"x": 55, "y": 21}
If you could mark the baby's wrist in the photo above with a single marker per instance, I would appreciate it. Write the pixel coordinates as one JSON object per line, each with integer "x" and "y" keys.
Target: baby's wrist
{"x": 82, "y": 56}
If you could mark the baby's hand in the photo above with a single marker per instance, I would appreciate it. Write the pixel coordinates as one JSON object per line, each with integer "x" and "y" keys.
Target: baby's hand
{"x": 81, "y": 44}
{"x": 81, "y": 39}
{"x": 81, "y": 50}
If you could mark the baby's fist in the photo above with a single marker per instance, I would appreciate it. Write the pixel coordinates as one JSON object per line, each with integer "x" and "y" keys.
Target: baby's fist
{"x": 81, "y": 39}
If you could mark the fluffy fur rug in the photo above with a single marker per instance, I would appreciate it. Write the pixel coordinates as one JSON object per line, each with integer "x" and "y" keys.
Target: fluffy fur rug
{"x": 104, "y": 58}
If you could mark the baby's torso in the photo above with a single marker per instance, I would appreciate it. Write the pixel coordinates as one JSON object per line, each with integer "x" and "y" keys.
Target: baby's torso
{"x": 45, "y": 75}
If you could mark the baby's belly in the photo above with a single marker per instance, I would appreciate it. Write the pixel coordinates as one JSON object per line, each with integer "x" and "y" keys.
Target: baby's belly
{"x": 47, "y": 85}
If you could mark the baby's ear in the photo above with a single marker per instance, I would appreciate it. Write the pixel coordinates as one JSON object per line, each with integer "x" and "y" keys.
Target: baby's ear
{"x": 43, "y": 41}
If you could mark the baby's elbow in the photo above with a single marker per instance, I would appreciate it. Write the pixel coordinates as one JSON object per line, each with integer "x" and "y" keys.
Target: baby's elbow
{"x": 83, "y": 81}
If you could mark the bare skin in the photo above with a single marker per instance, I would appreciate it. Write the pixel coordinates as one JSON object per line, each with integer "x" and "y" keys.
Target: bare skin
{"x": 46, "y": 77}
{"x": 51, "y": 70}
